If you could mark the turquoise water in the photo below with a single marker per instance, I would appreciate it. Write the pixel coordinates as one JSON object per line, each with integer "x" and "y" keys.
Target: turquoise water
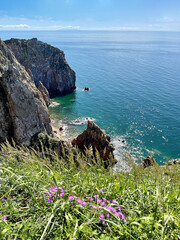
{"x": 134, "y": 81}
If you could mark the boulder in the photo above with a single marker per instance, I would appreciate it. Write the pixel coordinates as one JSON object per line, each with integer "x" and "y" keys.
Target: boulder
{"x": 173, "y": 162}
{"x": 86, "y": 89}
{"x": 46, "y": 63}
{"x": 23, "y": 111}
{"x": 96, "y": 139}
{"x": 42, "y": 142}
{"x": 149, "y": 161}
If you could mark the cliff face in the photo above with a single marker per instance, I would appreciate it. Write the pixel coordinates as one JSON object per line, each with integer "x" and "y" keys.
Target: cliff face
{"x": 23, "y": 111}
{"x": 46, "y": 63}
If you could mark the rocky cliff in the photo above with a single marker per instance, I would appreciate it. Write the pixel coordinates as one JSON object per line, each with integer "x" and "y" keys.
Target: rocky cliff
{"x": 46, "y": 63}
{"x": 45, "y": 93}
{"x": 23, "y": 111}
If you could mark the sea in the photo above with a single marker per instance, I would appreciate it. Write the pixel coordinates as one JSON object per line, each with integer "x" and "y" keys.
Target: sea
{"x": 134, "y": 82}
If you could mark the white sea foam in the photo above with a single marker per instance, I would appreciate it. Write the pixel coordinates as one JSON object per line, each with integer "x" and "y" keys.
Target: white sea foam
{"x": 81, "y": 121}
{"x": 120, "y": 153}
{"x": 54, "y": 104}
{"x": 125, "y": 154}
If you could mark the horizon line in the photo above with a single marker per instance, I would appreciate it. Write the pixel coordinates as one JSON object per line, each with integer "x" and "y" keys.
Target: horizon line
{"x": 107, "y": 30}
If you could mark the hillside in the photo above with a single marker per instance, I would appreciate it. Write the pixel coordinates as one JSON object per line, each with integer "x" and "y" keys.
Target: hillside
{"x": 50, "y": 198}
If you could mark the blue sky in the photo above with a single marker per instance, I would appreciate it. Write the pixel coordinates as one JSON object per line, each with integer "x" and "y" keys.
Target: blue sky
{"x": 90, "y": 14}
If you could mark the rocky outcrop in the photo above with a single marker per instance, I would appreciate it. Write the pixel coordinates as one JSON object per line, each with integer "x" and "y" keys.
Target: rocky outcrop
{"x": 23, "y": 112}
{"x": 95, "y": 138}
{"x": 42, "y": 142}
{"x": 45, "y": 93}
{"x": 173, "y": 162}
{"x": 46, "y": 63}
{"x": 149, "y": 161}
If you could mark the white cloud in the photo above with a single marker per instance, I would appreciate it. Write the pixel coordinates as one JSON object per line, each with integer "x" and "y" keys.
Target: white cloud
{"x": 64, "y": 27}
{"x": 15, "y": 26}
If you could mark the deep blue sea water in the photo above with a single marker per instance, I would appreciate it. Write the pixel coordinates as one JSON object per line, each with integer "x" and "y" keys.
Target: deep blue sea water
{"x": 134, "y": 81}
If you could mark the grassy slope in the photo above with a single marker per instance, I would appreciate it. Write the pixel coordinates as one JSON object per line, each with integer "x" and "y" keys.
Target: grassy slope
{"x": 149, "y": 200}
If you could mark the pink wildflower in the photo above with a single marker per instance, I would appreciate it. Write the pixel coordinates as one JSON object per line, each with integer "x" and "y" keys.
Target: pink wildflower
{"x": 108, "y": 215}
{"x": 71, "y": 198}
{"x": 101, "y": 216}
{"x": 90, "y": 198}
{"x": 113, "y": 210}
{"x": 100, "y": 190}
{"x": 49, "y": 200}
{"x": 109, "y": 208}
{"x": 122, "y": 216}
{"x": 53, "y": 189}
{"x": 94, "y": 206}
{"x": 4, "y": 218}
{"x": 114, "y": 201}
{"x": 3, "y": 199}
{"x": 95, "y": 196}
{"x": 51, "y": 194}
{"x": 45, "y": 192}
{"x": 79, "y": 200}
{"x": 117, "y": 214}
{"x": 102, "y": 204}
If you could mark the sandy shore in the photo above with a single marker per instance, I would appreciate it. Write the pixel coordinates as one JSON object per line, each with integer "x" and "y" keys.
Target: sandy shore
{"x": 57, "y": 132}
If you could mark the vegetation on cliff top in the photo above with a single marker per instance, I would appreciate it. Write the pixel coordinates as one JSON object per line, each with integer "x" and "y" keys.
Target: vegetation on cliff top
{"x": 42, "y": 198}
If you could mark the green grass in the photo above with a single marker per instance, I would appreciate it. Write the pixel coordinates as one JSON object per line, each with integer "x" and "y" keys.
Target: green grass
{"x": 149, "y": 199}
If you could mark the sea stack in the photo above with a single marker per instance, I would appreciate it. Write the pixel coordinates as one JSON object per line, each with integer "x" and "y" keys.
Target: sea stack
{"x": 96, "y": 139}
{"x": 46, "y": 63}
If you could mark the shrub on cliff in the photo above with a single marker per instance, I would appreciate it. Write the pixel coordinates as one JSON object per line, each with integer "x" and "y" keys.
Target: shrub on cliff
{"x": 45, "y": 199}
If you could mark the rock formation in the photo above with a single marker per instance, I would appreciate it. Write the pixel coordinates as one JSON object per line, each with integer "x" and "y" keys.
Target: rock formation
{"x": 174, "y": 162}
{"x": 45, "y": 93}
{"x": 95, "y": 138}
{"x": 86, "y": 89}
{"x": 149, "y": 161}
{"x": 23, "y": 112}
{"x": 42, "y": 142}
{"x": 46, "y": 63}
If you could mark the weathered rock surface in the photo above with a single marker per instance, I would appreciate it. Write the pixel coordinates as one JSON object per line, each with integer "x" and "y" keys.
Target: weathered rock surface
{"x": 95, "y": 138}
{"x": 149, "y": 161}
{"x": 23, "y": 111}
{"x": 47, "y": 64}
{"x": 45, "y": 93}
{"x": 43, "y": 140}
{"x": 174, "y": 162}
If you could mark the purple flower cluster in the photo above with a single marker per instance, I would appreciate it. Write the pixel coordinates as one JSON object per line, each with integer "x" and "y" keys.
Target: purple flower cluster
{"x": 54, "y": 192}
{"x": 104, "y": 207}
{"x": 107, "y": 208}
